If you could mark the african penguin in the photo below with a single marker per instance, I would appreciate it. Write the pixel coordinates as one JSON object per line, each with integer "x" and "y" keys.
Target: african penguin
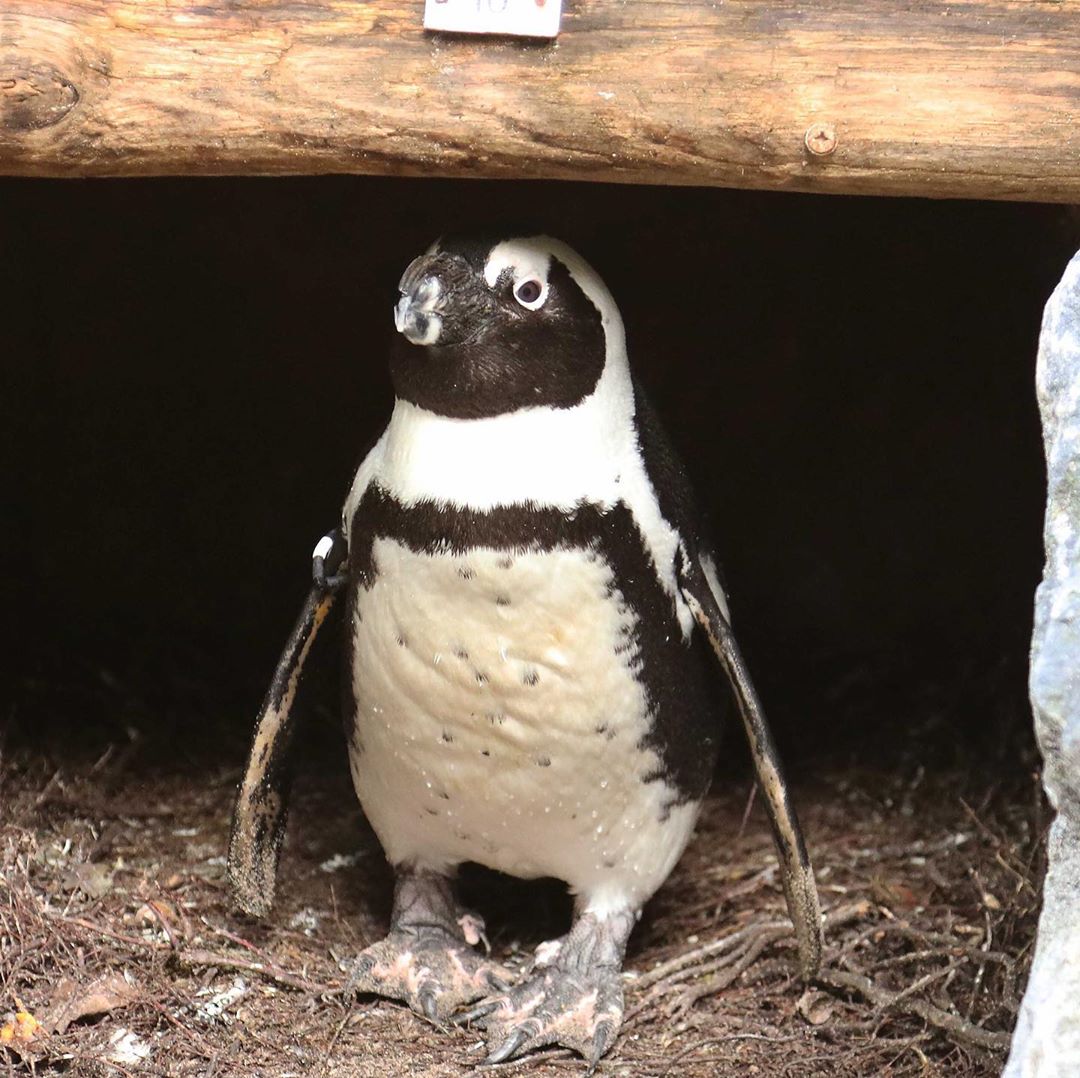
{"x": 525, "y": 686}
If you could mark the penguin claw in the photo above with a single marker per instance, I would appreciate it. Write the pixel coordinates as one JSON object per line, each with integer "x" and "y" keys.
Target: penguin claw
{"x": 481, "y": 1010}
{"x": 429, "y": 1004}
{"x": 603, "y": 1039}
{"x": 509, "y": 1047}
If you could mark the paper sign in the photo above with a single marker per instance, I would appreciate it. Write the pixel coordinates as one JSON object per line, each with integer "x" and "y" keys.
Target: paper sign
{"x": 519, "y": 18}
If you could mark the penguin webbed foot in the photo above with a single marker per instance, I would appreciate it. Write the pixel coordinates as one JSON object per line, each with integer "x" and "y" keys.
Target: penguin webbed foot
{"x": 427, "y": 961}
{"x": 428, "y": 970}
{"x": 582, "y": 1012}
{"x": 574, "y": 1001}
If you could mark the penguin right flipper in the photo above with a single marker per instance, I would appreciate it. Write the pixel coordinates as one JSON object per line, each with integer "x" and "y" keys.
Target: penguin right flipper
{"x": 258, "y": 824}
{"x": 678, "y": 505}
{"x": 796, "y": 871}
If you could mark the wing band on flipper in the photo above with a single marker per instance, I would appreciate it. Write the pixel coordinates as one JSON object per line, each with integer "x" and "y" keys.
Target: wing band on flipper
{"x": 258, "y": 824}
{"x": 796, "y": 872}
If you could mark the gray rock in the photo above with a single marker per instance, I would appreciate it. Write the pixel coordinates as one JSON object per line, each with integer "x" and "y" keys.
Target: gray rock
{"x": 1046, "y": 1043}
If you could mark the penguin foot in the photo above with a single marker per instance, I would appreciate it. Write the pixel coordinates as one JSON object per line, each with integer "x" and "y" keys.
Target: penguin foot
{"x": 580, "y": 1011}
{"x": 574, "y": 998}
{"x": 429, "y": 970}
{"x": 427, "y": 960}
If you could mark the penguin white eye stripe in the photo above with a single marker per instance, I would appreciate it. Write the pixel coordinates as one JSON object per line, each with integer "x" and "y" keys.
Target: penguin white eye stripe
{"x": 323, "y": 547}
{"x": 523, "y": 258}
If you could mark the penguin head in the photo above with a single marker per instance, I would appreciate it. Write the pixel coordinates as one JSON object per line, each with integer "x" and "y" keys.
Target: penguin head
{"x": 491, "y": 327}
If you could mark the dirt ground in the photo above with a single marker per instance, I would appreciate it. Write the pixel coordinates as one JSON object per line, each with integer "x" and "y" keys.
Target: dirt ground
{"x": 119, "y": 954}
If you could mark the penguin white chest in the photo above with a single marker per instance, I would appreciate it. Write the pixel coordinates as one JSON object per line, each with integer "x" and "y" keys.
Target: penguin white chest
{"x": 499, "y": 719}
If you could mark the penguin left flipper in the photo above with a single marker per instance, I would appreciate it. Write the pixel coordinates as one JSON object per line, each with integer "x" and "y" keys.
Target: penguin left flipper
{"x": 258, "y": 823}
{"x": 797, "y": 873}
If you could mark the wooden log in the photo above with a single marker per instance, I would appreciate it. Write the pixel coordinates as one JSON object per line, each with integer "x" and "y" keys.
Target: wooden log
{"x": 974, "y": 98}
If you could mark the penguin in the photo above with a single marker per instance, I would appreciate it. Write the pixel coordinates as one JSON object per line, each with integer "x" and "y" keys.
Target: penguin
{"x": 529, "y": 600}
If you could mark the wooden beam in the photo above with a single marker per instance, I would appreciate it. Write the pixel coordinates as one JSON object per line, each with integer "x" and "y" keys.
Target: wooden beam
{"x": 973, "y": 98}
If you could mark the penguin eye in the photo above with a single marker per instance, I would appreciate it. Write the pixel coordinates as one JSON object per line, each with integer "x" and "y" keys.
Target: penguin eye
{"x": 529, "y": 293}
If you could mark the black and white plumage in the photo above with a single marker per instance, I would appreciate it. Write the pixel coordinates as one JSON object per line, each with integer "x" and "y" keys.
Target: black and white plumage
{"x": 526, "y": 686}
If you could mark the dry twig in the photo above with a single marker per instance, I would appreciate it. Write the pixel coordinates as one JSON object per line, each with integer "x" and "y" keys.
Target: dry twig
{"x": 956, "y": 1027}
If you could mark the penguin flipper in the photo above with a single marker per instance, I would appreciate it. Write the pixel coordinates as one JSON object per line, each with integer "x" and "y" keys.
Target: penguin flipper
{"x": 796, "y": 871}
{"x": 258, "y": 823}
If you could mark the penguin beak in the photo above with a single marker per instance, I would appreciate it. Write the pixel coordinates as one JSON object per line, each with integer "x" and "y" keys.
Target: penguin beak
{"x": 416, "y": 316}
{"x": 440, "y": 299}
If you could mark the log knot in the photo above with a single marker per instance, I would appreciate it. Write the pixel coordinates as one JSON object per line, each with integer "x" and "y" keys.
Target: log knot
{"x": 33, "y": 95}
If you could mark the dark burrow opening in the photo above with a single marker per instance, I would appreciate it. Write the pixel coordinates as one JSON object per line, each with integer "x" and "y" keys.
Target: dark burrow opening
{"x": 194, "y": 367}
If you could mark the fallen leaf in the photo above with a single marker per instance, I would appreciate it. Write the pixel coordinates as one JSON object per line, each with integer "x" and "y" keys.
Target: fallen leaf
{"x": 815, "y": 1007}
{"x": 20, "y": 1029}
{"x": 72, "y": 1001}
{"x": 892, "y": 893}
{"x": 94, "y": 880}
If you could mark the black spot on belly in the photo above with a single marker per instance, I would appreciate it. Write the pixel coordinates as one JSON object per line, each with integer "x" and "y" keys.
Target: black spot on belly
{"x": 444, "y": 795}
{"x": 485, "y": 752}
{"x": 447, "y": 738}
{"x": 531, "y": 677}
{"x": 432, "y": 812}
{"x": 505, "y": 563}
{"x": 461, "y": 653}
{"x": 502, "y": 600}
{"x": 543, "y": 761}
{"x": 465, "y": 572}
{"x": 481, "y": 678}
{"x": 402, "y": 642}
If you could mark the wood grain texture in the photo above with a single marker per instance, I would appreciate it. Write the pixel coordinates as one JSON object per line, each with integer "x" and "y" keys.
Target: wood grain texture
{"x": 976, "y": 98}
